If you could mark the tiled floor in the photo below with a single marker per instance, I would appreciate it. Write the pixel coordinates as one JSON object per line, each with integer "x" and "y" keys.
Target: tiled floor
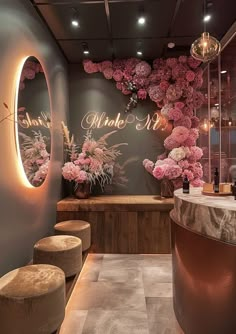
{"x": 122, "y": 294}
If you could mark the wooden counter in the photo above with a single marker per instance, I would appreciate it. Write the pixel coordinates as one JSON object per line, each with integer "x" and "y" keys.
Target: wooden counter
{"x": 123, "y": 224}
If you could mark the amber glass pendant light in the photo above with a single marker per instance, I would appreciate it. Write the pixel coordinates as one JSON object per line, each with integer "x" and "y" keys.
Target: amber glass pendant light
{"x": 206, "y": 47}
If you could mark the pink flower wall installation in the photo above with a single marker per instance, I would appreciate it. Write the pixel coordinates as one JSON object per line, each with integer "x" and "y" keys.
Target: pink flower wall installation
{"x": 31, "y": 68}
{"x": 173, "y": 85}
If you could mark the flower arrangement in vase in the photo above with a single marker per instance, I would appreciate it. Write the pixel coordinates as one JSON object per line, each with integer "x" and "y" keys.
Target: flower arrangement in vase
{"x": 181, "y": 161}
{"x": 93, "y": 163}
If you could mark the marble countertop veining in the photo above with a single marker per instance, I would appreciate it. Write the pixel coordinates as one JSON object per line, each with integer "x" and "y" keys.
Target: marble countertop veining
{"x": 212, "y": 216}
{"x": 196, "y": 197}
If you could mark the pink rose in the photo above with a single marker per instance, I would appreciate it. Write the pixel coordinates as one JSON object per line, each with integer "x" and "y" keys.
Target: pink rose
{"x": 179, "y": 105}
{"x": 171, "y": 62}
{"x": 117, "y": 75}
{"x": 164, "y": 85}
{"x": 119, "y": 85}
{"x": 174, "y": 114}
{"x": 190, "y": 76}
{"x": 90, "y": 67}
{"x": 142, "y": 94}
{"x": 82, "y": 177}
{"x": 188, "y": 173}
{"x": 180, "y": 134}
{"x": 193, "y": 63}
{"x": 143, "y": 69}
{"x": 159, "y": 171}
{"x": 70, "y": 171}
{"x": 108, "y": 73}
{"x": 170, "y": 143}
{"x": 197, "y": 182}
{"x": 104, "y": 65}
{"x": 183, "y": 121}
{"x": 183, "y": 164}
{"x": 172, "y": 172}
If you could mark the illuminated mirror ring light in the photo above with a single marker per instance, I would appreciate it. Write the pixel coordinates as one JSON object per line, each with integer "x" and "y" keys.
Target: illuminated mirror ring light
{"x": 32, "y": 115}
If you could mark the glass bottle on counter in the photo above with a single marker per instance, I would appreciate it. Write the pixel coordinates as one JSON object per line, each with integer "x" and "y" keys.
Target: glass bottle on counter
{"x": 233, "y": 187}
{"x": 185, "y": 185}
{"x": 216, "y": 184}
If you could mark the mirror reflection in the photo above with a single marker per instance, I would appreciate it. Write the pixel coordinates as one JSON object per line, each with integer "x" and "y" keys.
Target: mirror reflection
{"x": 33, "y": 122}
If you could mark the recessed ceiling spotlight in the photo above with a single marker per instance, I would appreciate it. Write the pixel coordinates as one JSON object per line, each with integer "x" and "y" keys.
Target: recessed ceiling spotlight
{"x": 139, "y": 53}
{"x": 141, "y": 16}
{"x": 223, "y": 71}
{"x": 216, "y": 104}
{"x": 171, "y": 45}
{"x": 207, "y": 18}
{"x": 141, "y": 20}
{"x": 75, "y": 19}
{"x": 85, "y": 48}
{"x": 75, "y": 23}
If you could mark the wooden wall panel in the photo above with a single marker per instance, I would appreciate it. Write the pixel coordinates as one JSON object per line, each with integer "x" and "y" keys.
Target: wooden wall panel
{"x": 125, "y": 231}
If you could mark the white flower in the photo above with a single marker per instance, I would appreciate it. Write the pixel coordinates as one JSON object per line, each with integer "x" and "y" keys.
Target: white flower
{"x": 177, "y": 154}
{"x": 166, "y": 108}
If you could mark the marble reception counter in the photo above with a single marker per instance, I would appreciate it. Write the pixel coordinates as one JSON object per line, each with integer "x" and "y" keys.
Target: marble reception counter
{"x": 203, "y": 233}
{"x": 212, "y": 216}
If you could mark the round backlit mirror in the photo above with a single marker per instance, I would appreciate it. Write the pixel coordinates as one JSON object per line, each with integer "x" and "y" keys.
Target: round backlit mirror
{"x": 33, "y": 122}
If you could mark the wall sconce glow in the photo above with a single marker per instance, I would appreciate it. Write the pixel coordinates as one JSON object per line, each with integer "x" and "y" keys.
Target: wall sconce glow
{"x": 86, "y": 52}
{"x": 223, "y": 71}
{"x": 32, "y": 122}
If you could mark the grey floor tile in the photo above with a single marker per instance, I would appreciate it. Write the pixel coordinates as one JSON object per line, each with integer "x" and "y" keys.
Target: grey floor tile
{"x": 122, "y": 261}
{"x": 107, "y": 296}
{"x": 116, "y": 322}
{"x": 123, "y": 275}
{"x": 156, "y": 289}
{"x": 161, "y": 317}
{"x": 91, "y": 268}
{"x": 160, "y": 306}
{"x": 154, "y": 260}
{"x": 73, "y": 322}
{"x": 160, "y": 274}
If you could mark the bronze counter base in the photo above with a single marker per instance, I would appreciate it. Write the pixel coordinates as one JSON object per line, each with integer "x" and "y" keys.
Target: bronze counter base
{"x": 204, "y": 282}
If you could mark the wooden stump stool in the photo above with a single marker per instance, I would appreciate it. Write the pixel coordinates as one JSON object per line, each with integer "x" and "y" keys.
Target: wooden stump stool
{"x": 32, "y": 300}
{"x": 62, "y": 251}
{"x": 77, "y": 228}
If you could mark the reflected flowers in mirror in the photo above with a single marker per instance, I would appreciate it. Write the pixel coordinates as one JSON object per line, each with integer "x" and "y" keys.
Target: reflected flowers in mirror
{"x": 35, "y": 157}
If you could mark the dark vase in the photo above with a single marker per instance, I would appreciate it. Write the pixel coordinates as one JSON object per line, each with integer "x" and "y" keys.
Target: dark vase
{"x": 82, "y": 190}
{"x": 167, "y": 188}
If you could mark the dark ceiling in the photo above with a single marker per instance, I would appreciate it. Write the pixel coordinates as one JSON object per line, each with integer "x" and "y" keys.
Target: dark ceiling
{"x": 110, "y": 28}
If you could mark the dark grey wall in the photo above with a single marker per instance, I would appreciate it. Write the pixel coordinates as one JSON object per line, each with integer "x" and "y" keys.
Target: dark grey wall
{"x": 92, "y": 92}
{"x": 27, "y": 213}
